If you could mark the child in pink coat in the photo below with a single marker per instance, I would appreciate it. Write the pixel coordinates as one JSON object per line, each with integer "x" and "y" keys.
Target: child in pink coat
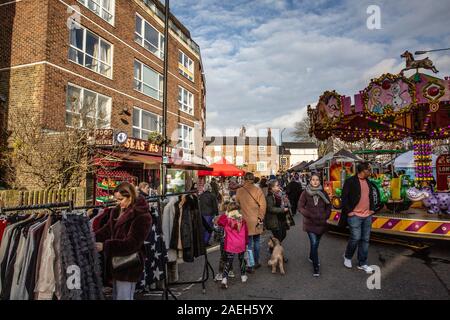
{"x": 236, "y": 240}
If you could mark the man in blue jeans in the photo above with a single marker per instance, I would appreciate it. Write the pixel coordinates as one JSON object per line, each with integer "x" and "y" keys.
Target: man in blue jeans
{"x": 359, "y": 200}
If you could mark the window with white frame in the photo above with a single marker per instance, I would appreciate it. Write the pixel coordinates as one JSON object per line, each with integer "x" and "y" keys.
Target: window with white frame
{"x": 185, "y": 101}
{"x": 90, "y": 51}
{"x": 148, "y": 81}
{"x": 186, "y": 138}
{"x": 261, "y": 166}
{"x": 185, "y": 66}
{"x": 148, "y": 37}
{"x": 145, "y": 122}
{"x": 239, "y": 148}
{"x": 102, "y": 8}
{"x": 87, "y": 109}
{"x": 218, "y": 148}
{"x": 239, "y": 160}
{"x": 262, "y": 148}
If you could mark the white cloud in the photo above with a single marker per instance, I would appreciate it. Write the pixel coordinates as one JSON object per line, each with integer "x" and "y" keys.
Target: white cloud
{"x": 265, "y": 60}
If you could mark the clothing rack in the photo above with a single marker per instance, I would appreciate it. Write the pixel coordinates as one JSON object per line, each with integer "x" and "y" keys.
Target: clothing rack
{"x": 100, "y": 206}
{"x": 68, "y": 204}
{"x": 207, "y": 266}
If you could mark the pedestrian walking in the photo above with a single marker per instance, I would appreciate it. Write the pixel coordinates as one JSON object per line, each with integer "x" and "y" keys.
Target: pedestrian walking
{"x": 123, "y": 237}
{"x": 144, "y": 189}
{"x": 294, "y": 190}
{"x": 360, "y": 200}
{"x": 236, "y": 240}
{"x": 215, "y": 188}
{"x": 233, "y": 185}
{"x": 209, "y": 209}
{"x": 275, "y": 219}
{"x": 253, "y": 207}
{"x": 315, "y": 206}
{"x": 220, "y": 233}
{"x": 264, "y": 186}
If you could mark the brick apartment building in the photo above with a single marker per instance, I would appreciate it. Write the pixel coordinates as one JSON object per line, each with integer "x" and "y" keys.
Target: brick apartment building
{"x": 112, "y": 57}
{"x": 254, "y": 154}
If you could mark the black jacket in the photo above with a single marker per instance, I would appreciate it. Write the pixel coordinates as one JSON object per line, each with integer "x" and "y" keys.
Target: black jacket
{"x": 294, "y": 190}
{"x": 208, "y": 204}
{"x": 275, "y": 215}
{"x": 351, "y": 194}
{"x": 191, "y": 230}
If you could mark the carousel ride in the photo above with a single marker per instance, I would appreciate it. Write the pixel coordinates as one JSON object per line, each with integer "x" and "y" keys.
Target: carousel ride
{"x": 395, "y": 108}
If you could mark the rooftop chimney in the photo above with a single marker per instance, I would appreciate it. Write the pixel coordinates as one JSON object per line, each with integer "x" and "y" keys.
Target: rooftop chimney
{"x": 242, "y": 132}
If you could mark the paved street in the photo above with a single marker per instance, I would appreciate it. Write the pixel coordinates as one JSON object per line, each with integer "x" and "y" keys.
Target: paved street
{"x": 405, "y": 275}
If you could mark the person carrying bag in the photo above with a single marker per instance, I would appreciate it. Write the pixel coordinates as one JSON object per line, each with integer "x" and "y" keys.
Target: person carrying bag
{"x": 122, "y": 241}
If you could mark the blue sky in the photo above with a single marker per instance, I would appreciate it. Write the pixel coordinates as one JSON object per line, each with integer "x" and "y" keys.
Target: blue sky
{"x": 265, "y": 60}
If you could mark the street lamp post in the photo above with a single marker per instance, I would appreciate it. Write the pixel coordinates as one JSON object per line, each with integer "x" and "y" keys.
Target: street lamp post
{"x": 166, "y": 76}
{"x": 281, "y": 147}
{"x": 423, "y": 52}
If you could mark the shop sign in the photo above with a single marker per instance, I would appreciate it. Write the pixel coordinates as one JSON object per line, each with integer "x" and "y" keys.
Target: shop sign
{"x": 104, "y": 137}
{"x": 121, "y": 137}
{"x": 144, "y": 146}
{"x": 443, "y": 172}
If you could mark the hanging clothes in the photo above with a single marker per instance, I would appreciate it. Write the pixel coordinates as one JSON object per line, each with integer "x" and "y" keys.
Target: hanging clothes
{"x": 155, "y": 253}
{"x": 38, "y": 257}
{"x": 3, "y": 224}
{"x": 187, "y": 236}
{"x": 168, "y": 220}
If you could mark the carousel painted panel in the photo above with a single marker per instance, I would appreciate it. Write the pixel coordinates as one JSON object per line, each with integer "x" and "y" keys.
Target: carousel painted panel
{"x": 329, "y": 108}
{"x": 389, "y": 95}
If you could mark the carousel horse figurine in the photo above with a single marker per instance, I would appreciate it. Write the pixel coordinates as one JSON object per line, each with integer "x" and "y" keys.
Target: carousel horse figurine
{"x": 416, "y": 64}
{"x": 436, "y": 202}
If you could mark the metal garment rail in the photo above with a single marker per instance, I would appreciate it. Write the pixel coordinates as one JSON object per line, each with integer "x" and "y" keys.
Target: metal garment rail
{"x": 207, "y": 265}
{"x": 68, "y": 204}
{"x": 100, "y": 206}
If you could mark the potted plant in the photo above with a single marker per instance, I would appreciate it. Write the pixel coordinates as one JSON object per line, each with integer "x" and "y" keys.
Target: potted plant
{"x": 158, "y": 139}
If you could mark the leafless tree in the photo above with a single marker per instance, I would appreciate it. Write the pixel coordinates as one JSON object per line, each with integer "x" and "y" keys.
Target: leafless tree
{"x": 50, "y": 159}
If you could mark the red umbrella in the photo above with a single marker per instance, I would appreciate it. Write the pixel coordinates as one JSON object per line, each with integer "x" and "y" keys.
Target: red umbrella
{"x": 222, "y": 168}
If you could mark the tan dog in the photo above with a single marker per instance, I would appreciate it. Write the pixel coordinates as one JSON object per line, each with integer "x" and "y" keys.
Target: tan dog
{"x": 277, "y": 258}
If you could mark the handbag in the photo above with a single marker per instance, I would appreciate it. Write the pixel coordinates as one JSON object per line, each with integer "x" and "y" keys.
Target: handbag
{"x": 290, "y": 218}
{"x": 125, "y": 262}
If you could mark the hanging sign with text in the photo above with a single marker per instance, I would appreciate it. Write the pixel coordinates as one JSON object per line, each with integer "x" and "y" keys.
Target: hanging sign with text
{"x": 443, "y": 172}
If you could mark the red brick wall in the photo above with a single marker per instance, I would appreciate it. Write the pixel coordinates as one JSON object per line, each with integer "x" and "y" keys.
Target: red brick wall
{"x": 33, "y": 43}
{"x": 35, "y": 31}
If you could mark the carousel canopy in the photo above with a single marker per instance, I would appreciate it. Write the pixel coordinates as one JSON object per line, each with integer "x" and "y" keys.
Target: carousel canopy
{"x": 391, "y": 108}
{"x": 222, "y": 168}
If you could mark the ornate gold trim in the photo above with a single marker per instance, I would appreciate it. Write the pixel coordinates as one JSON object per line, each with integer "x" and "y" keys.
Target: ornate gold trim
{"x": 379, "y": 81}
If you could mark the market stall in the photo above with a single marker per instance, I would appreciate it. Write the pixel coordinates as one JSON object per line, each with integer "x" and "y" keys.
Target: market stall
{"x": 395, "y": 108}
{"x": 222, "y": 168}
